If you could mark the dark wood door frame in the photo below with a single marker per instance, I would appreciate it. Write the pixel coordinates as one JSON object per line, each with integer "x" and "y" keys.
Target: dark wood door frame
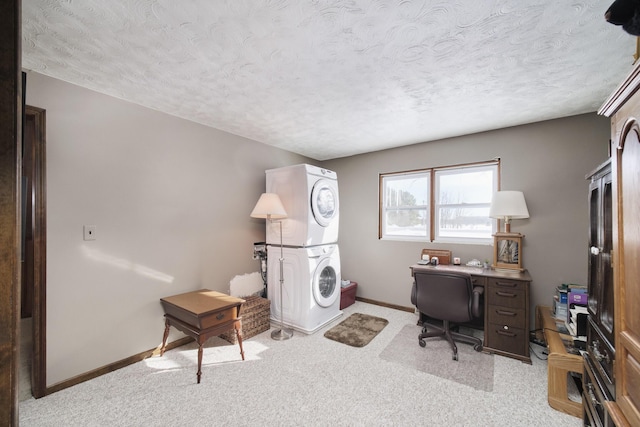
{"x": 35, "y": 128}
{"x": 10, "y": 161}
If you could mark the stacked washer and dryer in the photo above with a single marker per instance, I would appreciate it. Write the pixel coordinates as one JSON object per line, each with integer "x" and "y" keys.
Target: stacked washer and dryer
{"x": 311, "y": 289}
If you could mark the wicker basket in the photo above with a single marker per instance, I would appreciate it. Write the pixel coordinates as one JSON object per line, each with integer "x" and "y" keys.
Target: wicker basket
{"x": 255, "y": 314}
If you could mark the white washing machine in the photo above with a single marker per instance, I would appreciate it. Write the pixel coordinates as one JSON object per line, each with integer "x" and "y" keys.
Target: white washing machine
{"x": 311, "y": 288}
{"x": 310, "y": 197}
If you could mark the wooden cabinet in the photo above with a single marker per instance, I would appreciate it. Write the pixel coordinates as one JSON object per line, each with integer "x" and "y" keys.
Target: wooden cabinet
{"x": 507, "y": 317}
{"x": 623, "y": 107}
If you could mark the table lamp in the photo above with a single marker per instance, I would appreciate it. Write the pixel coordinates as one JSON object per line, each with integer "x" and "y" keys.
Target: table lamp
{"x": 507, "y": 246}
{"x": 270, "y": 207}
{"x": 508, "y": 205}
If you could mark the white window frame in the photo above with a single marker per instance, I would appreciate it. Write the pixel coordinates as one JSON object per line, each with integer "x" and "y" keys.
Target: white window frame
{"x": 433, "y": 205}
{"x": 385, "y": 207}
{"x": 438, "y": 206}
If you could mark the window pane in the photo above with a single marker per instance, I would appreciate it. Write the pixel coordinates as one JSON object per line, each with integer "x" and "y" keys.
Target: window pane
{"x": 406, "y": 222}
{"x": 407, "y": 190}
{"x": 406, "y": 201}
{"x": 465, "y": 185}
{"x": 467, "y": 223}
{"x": 464, "y": 198}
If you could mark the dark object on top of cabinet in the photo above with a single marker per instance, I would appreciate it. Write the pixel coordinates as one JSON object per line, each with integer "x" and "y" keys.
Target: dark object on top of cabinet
{"x": 625, "y": 13}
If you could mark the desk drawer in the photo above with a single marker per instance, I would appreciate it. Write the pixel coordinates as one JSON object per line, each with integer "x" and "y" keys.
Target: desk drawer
{"x": 594, "y": 397}
{"x": 507, "y": 339}
{"x": 217, "y": 318}
{"x": 514, "y": 318}
{"x": 507, "y": 293}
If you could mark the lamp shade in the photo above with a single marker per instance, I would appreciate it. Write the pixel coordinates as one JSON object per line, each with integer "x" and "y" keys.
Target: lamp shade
{"x": 269, "y": 206}
{"x": 508, "y": 205}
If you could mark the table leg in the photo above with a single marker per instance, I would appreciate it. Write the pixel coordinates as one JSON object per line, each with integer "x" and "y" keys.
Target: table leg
{"x": 236, "y": 326}
{"x": 165, "y": 336}
{"x": 199, "y": 362}
{"x": 557, "y": 394}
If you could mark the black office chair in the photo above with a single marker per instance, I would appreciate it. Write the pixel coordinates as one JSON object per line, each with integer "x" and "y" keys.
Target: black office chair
{"x": 450, "y": 297}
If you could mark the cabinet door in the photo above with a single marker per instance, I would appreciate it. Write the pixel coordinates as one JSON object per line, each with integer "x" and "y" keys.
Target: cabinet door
{"x": 595, "y": 286}
{"x": 600, "y": 280}
{"x": 628, "y": 273}
{"x": 606, "y": 315}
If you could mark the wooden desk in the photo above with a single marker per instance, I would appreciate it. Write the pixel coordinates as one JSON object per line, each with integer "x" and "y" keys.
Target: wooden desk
{"x": 560, "y": 363}
{"x": 506, "y": 308}
{"x": 202, "y": 314}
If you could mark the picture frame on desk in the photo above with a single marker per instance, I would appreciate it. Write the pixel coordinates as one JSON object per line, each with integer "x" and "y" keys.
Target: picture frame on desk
{"x": 507, "y": 251}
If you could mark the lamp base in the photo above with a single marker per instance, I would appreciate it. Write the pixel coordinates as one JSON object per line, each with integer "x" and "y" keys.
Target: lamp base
{"x": 282, "y": 334}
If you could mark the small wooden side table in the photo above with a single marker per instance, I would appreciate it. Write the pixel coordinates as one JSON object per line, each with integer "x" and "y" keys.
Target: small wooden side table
{"x": 202, "y": 314}
{"x": 560, "y": 363}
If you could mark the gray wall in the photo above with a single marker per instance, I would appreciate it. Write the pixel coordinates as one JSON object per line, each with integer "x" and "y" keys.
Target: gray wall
{"x": 171, "y": 201}
{"x": 547, "y": 161}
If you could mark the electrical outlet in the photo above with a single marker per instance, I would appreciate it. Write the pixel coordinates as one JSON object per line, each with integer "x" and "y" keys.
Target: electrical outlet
{"x": 89, "y": 232}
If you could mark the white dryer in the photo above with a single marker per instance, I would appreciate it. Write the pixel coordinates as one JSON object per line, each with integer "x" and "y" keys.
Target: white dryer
{"x": 311, "y": 288}
{"x": 310, "y": 197}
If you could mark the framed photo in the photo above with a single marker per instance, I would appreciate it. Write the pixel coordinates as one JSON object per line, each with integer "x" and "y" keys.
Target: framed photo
{"x": 507, "y": 251}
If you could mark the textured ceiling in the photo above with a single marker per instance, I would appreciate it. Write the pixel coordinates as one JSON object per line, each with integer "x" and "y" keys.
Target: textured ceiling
{"x": 335, "y": 78}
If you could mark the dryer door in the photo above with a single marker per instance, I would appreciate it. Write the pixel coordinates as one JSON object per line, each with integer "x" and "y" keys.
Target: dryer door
{"x": 324, "y": 202}
{"x": 325, "y": 283}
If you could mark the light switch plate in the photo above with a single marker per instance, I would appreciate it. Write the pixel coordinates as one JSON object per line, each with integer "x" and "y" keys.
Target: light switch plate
{"x": 89, "y": 232}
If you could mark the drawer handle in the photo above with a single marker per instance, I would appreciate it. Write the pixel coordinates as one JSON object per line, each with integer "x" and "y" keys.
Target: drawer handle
{"x": 592, "y": 396}
{"x": 220, "y": 316}
{"x": 505, "y": 333}
{"x": 505, "y": 294}
{"x": 506, "y": 313}
{"x": 596, "y": 352}
{"x": 506, "y": 284}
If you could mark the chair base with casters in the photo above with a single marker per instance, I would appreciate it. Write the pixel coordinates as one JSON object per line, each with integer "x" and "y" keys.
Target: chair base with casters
{"x": 447, "y": 331}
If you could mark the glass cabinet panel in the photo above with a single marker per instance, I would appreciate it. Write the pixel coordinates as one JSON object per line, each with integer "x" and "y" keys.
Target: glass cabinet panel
{"x": 606, "y": 309}
{"x": 594, "y": 250}
{"x": 600, "y": 296}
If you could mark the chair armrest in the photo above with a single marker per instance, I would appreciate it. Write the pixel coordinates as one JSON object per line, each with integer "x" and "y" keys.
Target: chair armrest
{"x": 414, "y": 296}
{"x": 476, "y": 307}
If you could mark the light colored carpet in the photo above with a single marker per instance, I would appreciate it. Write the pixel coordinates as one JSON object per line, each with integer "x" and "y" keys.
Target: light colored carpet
{"x": 473, "y": 369}
{"x": 307, "y": 380}
{"x": 26, "y": 348}
{"x": 357, "y": 330}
